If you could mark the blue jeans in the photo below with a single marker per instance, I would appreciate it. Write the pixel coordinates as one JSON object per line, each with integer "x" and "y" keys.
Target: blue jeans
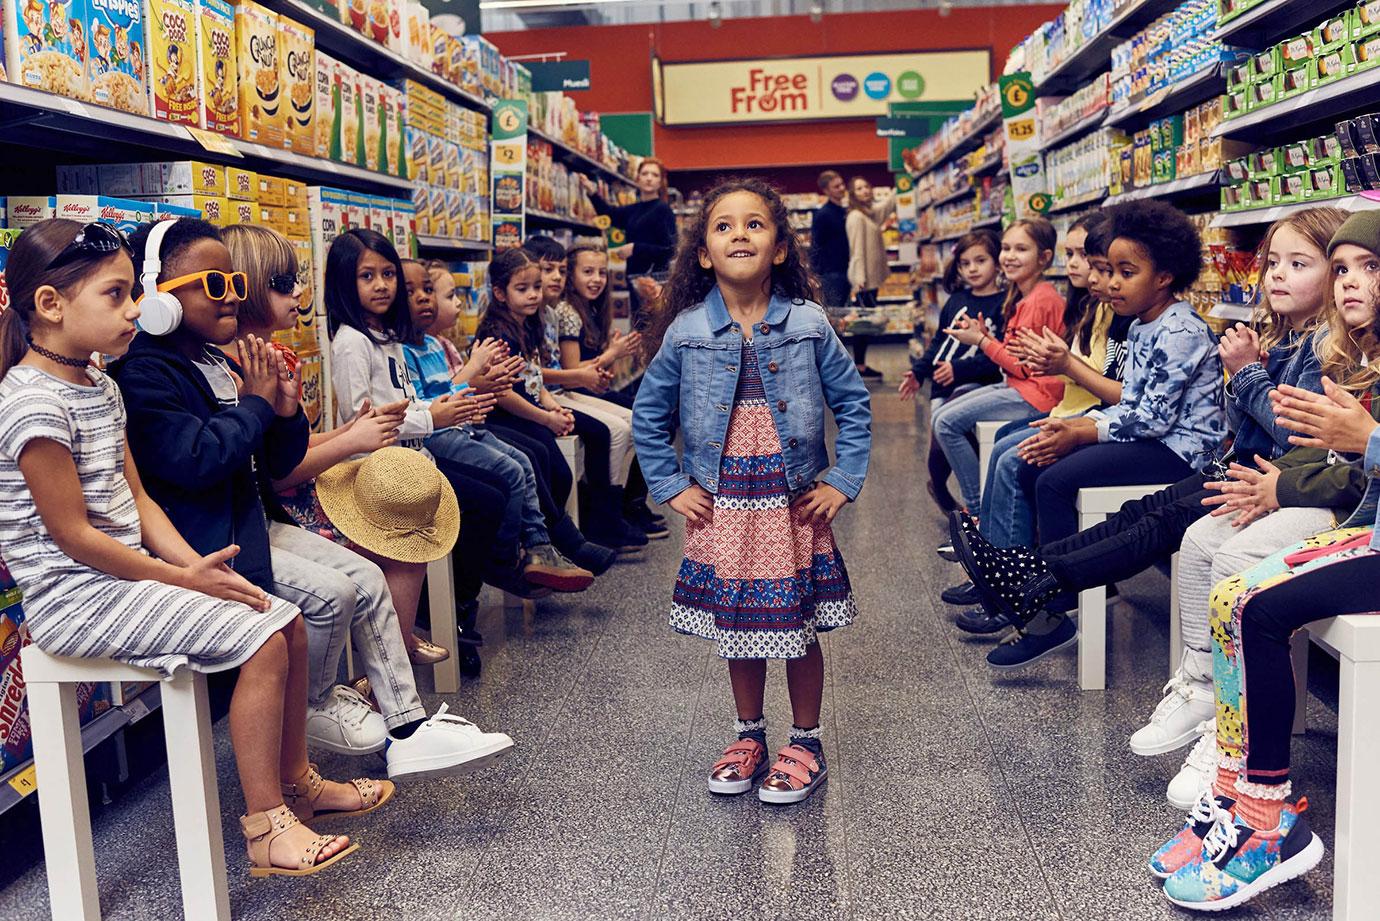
{"x": 956, "y": 418}
{"x": 522, "y": 519}
{"x": 1007, "y": 518}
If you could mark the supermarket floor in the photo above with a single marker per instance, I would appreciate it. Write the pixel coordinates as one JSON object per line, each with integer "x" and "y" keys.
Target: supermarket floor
{"x": 953, "y": 794}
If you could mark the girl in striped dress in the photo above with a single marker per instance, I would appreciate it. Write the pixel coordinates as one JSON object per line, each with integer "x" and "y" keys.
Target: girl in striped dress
{"x": 104, "y": 573}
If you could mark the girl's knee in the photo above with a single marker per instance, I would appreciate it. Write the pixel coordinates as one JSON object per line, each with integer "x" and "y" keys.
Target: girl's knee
{"x": 271, "y": 659}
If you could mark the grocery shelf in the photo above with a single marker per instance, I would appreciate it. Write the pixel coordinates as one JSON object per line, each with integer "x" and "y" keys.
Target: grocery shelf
{"x": 991, "y": 164}
{"x": 1094, "y": 55}
{"x": 969, "y": 142}
{"x": 951, "y": 197}
{"x": 993, "y": 221}
{"x": 345, "y": 44}
{"x": 1241, "y": 313}
{"x": 560, "y": 220}
{"x": 1321, "y": 106}
{"x": 1075, "y": 131}
{"x": 451, "y": 245}
{"x": 1176, "y": 97}
{"x": 985, "y": 222}
{"x": 1079, "y": 201}
{"x": 1274, "y": 21}
{"x": 41, "y": 120}
{"x": 1275, "y": 212}
{"x": 1198, "y": 183}
{"x": 572, "y": 157}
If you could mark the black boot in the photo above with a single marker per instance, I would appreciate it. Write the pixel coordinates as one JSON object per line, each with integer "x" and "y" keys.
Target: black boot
{"x": 567, "y": 538}
{"x": 1014, "y": 581}
{"x": 466, "y": 613}
{"x": 604, "y": 522}
{"x": 470, "y": 663}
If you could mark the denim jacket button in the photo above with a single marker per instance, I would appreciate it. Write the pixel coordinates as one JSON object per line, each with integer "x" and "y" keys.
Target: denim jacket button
{"x": 773, "y": 367}
{"x": 723, "y": 408}
{"x": 792, "y": 443}
{"x": 764, "y": 328}
{"x": 731, "y": 368}
{"x": 781, "y": 405}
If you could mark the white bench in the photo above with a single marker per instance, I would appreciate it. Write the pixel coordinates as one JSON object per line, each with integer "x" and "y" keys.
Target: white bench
{"x": 1355, "y": 641}
{"x": 987, "y": 440}
{"x": 574, "y": 453}
{"x": 61, "y": 773}
{"x": 1095, "y": 505}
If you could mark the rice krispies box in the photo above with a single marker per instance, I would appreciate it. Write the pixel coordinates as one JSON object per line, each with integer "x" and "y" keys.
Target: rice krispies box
{"x": 45, "y": 45}
{"x": 297, "y": 77}
{"x": 220, "y": 81}
{"x": 174, "y": 65}
{"x": 263, "y": 115}
{"x": 115, "y": 70}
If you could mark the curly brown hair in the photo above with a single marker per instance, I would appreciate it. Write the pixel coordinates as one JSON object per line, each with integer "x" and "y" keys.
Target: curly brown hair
{"x": 690, "y": 282}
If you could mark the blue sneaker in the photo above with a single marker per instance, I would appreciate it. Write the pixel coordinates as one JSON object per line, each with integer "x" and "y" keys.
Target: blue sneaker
{"x": 980, "y": 623}
{"x": 1239, "y": 862}
{"x": 1187, "y": 846}
{"x": 1020, "y": 649}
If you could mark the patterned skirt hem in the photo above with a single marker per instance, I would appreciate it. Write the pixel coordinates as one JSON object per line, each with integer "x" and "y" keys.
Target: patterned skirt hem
{"x": 739, "y": 643}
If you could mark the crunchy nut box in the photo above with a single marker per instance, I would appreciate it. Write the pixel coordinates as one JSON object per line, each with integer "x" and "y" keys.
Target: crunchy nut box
{"x": 297, "y": 76}
{"x": 263, "y": 106}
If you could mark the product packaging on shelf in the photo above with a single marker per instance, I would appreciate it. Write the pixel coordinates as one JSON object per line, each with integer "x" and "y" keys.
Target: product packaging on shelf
{"x": 371, "y": 126}
{"x": 115, "y": 70}
{"x": 271, "y": 191}
{"x": 241, "y": 212}
{"x": 220, "y": 84}
{"x": 124, "y": 213}
{"x": 45, "y": 45}
{"x": 262, "y": 106}
{"x": 327, "y": 111}
{"x": 241, "y": 184}
{"x": 24, "y": 210}
{"x": 419, "y": 34}
{"x": 351, "y": 115}
{"x": 174, "y": 66}
{"x": 137, "y": 180}
{"x": 212, "y": 208}
{"x": 297, "y": 78}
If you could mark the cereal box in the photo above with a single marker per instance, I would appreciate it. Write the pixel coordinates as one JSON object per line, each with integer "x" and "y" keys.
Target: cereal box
{"x": 369, "y": 90}
{"x": 174, "y": 70}
{"x": 115, "y": 71}
{"x": 263, "y": 116}
{"x": 404, "y": 224}
{"x": 327, "y": 112}
{"x": 355, "y": 15}
{"x": 220, "y": 92}
{"x": 7, "y": 238}
{"x": 123, "y": 213}
{"x": 313, "y": 390}
{"x": 30, "y": 209}
{"x": 272, "y": 191}
{"x": 136, "y": 180}
{"x": 419, "y": 34}
{"x": 297, "y": 77}
{"x": 213, "y": 208}
{"x": 241, "y": 183}
{"x": 351, "y": 116}
{"x": 45, "y": 45}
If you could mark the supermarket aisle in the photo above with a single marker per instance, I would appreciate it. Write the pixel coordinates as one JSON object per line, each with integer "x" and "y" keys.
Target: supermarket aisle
{"x": 951, "y": 795}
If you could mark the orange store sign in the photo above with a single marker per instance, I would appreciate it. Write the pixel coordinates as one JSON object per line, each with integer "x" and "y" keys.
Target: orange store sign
{"x": 806, "y": 89}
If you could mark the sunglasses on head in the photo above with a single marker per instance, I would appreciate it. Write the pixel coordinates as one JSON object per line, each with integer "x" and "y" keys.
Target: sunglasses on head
{"x": 283, "y": 282}
{"x": 93, "y": 239}
{"x": 215, "y": 283}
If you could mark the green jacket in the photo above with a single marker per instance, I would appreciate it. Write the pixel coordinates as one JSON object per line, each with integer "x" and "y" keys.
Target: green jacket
{"x": 1307, "y": 480}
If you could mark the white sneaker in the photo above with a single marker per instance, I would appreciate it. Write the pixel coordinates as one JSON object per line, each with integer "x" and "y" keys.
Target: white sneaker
{"x": 445, "y": 745}
{"x": 1174, "y": 723}
{"x": 346, "y": 725}
{"x": 1199, "y": 769}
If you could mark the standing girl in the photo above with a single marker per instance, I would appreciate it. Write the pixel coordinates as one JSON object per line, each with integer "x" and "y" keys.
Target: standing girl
{"x": 1032, "y": 303}
{"x": 867, "y": 264}
{"x": 973, "y": 281}
{"x": 746, "y": 367}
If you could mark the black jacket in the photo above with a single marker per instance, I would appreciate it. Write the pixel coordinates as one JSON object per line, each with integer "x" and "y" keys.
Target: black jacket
{"x": 651, "y": 228}
{"x": 202, "y": 461}
{"x": 971, "y": 366}
{"x": 829, "y": 240}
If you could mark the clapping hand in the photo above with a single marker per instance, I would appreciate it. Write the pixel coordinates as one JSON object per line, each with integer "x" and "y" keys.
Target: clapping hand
{"x": 1333, "y": 419}
{"x": 969, "y": 330}
{"x": 1249, "y": 494}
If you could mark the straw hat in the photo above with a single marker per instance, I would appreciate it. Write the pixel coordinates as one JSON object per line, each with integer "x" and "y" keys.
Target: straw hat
{"x": 394, "y": 503}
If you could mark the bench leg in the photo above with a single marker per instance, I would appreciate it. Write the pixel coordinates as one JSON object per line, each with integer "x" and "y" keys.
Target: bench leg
{"x": 440, "y": 587}
{"x": 1356, "y": 886}
{"x": 1176, "y": 633}
{"x": 1298, "y": 653}
{"x": 1092, "y": 627}
{"x": 62, "y": 807}
{"x": 195, "y": 800}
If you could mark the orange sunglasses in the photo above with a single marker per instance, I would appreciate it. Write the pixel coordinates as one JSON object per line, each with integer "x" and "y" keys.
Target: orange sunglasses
{"x": 214, "y": 282}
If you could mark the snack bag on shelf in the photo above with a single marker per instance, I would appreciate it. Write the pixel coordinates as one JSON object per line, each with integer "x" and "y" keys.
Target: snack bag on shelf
{"x": 174, "y": 71}
{"x": 219, "y": 92}
{"x": 264, "y": 118}
{"x": 297, "y": 77}
{"x": 327, "y": 111}
{"x": 45, "y": 45}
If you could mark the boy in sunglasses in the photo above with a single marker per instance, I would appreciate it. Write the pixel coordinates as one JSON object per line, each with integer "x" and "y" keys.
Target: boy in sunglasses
{"x": 209, "y": 435}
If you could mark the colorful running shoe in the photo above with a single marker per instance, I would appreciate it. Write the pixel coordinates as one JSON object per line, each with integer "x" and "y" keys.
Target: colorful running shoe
{"x": 1239, "y": 862}
{"x": 1187, "y": 846}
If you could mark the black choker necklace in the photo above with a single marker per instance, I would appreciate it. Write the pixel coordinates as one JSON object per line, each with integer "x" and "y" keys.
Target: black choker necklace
{"x": 60, "y": 359}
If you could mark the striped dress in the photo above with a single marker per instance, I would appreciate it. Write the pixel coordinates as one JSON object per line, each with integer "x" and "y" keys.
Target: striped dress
{"x": 754, "y": 579}
{"x": 72, "y": 609}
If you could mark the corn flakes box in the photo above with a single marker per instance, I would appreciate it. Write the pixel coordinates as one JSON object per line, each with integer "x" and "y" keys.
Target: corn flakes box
{"x": 418, "y": 34}
{"x": 174, "y": 69}
{"x": 297, "y": 76}
{"x": 126, "y": 214}
{"x": 25, "y": 210}
{"x": 45, "y": 45}
{"x": 220, "y": 83}
{"x": 326, "y": 114}
{"x": 370, "y": 126}
{"x": 351, "y": 116}
{"x": 263, "y": 117}
{"x": 404, "y": 225}
{"x": 241, "y": 184}
{"x": 116, "y": 74}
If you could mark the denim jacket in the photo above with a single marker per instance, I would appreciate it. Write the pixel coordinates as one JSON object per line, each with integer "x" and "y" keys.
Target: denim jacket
{"x": 1364, "y": 516}
{"x": 695, "y": 376}
{"x": 1249, "y": 413}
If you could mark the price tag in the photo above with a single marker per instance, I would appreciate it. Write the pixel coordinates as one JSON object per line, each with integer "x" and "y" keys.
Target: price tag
{"x": 214, "y": 141}
{"x": 76, "y": 108}
{"x": 136, "y": 710}
{"x": 26, "y": 781}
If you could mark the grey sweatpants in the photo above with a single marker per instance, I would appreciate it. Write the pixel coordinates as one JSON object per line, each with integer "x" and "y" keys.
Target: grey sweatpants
{"x": 338, "y": 590}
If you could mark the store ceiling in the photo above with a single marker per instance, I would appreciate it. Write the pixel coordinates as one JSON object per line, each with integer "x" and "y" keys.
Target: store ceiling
{"x": 516, "y": 15}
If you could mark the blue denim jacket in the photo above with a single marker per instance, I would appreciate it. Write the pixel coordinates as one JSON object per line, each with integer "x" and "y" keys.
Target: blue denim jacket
{"x": 695, "y": 374}
{"x": 1364, "y": 516}
{"x": 1249, "y": 413}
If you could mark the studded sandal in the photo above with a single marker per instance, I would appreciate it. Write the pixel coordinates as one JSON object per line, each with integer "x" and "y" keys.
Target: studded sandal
{"x": 260, "y": 830}
{"x": 301, "y": 796}
{"x": 742, "y": 764}
{"x": 796, "y": 774}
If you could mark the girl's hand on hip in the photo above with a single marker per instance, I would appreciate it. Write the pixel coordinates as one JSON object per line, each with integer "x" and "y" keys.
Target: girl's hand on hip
{"x": 1333, "y": 419}
{"x": 694, "y": 503}
{"x": 818, "y": 505}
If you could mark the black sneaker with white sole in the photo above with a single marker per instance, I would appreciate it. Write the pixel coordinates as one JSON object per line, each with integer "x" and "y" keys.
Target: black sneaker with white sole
{"x": 1022, "y": 649}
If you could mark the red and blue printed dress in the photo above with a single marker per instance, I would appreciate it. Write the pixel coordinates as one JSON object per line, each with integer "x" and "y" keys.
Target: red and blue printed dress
{"x": 755, "y": 580}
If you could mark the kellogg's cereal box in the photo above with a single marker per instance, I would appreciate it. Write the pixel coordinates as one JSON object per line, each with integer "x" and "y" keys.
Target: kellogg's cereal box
{"x": 351, "y": 116}
{"x": 375, "y": 156}
{"x": 327, "y": 111}
{"x": 30, "y": 209}
{"x": 45, "y": 45}
{"x": 297, "y": 76}
{"x": 418, "y": 34}
{"x": 115, "y": 71}
{"x": 7, "y": 238}
{"x": 263, "y": 118}
{"x": 220, "y": 84}
{"x": 174, "y": 68}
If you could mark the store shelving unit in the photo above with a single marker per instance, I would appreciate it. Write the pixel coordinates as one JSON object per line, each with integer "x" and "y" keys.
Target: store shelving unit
{"x": 1316, "y": 107}
{"x": 990, "y": 164}
{"x": 560, "y": 220}
{"x": 574, "y": 158}
{"x": 1073, "y": 132}
{"x": 968, "y": 142}
{"x": 1091, "y": 58}
{"x": 456, "y": 247}
{"x": 1184, "y": 187}
{"x": 1273, "y": 213}
{"x": 1275, "y": 19}
{"x": 952, "y": 197}
{"x": 1086, "y": 200}
{"x": 1176, "y": 97}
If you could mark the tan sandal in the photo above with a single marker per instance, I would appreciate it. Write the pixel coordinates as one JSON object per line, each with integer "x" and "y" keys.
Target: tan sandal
{"x": 261, "y": 828}
{"x": 426, "y": 652}
{"x": 366, "y": 690}
{"x": 301, "y": 796}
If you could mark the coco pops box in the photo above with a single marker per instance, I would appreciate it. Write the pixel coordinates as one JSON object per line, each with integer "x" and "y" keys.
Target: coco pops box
{"x": 115, "y": 60}
{"x": 174, "y": 70}
{"x": 220, "y": 83}
{"x": 263, "y": 118}
{"x": 45, "y": 45}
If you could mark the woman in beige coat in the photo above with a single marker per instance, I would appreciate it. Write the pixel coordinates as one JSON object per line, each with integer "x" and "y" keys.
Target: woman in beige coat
{"x": 867, "y": 262}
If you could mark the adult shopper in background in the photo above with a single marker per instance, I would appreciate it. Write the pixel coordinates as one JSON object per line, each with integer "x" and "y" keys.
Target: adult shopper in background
{"x": 829, "y": 240}
{"x": 649, "y": 223}
{"x": 867, "y": 265}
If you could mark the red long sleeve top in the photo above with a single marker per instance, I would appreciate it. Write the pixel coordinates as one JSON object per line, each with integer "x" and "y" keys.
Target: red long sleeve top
{"x": 1042, "y": 307}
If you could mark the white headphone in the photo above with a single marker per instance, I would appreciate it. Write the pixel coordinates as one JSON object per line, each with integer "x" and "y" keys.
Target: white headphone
{"x": 160, "y": 312}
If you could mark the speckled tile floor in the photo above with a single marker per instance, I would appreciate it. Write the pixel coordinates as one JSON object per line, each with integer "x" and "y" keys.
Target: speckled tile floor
{"x": 953, "y": 793}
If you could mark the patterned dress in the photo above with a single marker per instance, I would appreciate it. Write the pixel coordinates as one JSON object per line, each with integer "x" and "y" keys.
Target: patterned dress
{"x": 754, "y": 579}
{"x": 72, "y": 609}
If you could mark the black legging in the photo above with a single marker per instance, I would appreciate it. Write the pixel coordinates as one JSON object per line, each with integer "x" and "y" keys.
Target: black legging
{"x": 539, "y": 444}
{"x": 483, "y": 503}
{"x": 1124, "y": 463}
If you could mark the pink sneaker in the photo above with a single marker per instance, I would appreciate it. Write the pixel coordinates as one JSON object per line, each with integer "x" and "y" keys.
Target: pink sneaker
{"x": 742, "y": 765}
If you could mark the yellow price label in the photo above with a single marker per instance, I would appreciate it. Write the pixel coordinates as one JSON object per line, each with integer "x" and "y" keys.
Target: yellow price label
{"x": 507, "y": 155}
{"x": 214, "y": 142}
{"x": 26, "y": 781}
{"x": 1022, "y": 130}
